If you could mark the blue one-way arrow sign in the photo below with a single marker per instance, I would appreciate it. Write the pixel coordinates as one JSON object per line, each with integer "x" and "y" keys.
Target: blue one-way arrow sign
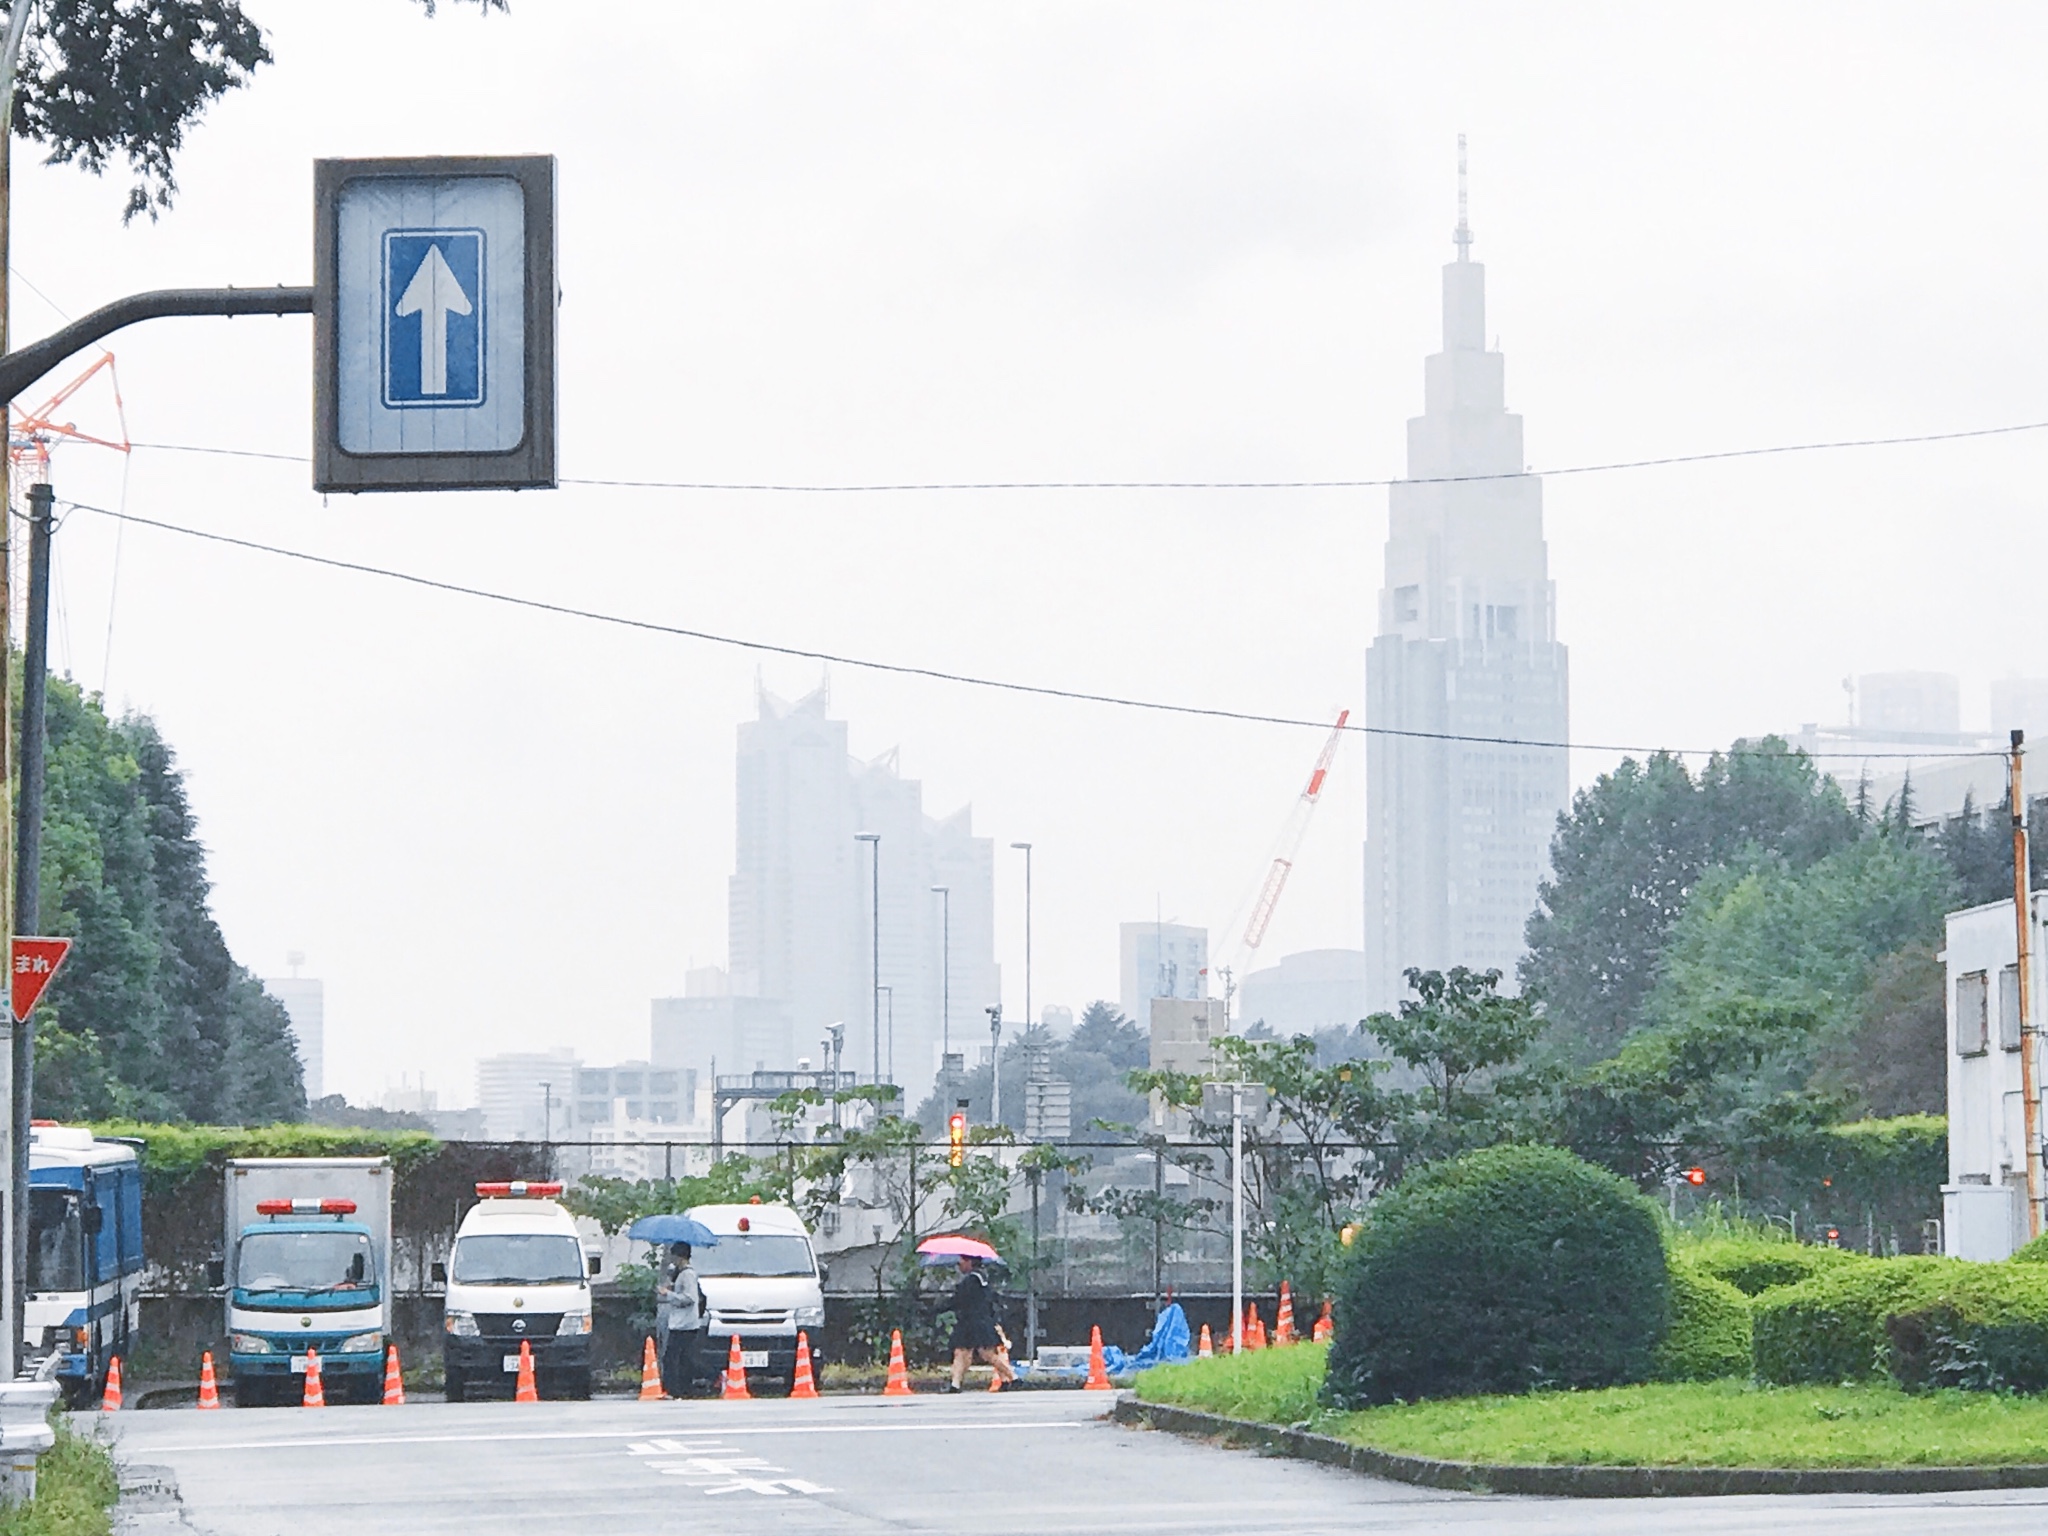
{"x": 433, "y": 318}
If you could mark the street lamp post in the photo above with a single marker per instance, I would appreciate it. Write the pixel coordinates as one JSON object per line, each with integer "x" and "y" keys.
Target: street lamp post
{"x": 874, "y": 842}
{"x": 945, "y": 894}
{"x": 890, "y": 993}
{"x": 995, "y": 1065}
{"x": 1030, "y": 1018}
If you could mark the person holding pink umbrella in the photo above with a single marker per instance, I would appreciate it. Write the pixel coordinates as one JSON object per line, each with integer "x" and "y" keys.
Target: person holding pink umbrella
{"x": 973, "y": 1307}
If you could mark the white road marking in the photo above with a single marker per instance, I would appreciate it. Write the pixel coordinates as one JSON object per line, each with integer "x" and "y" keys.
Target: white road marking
{"x": 168, "y": 1448}
{"x": 718, "y": 1470}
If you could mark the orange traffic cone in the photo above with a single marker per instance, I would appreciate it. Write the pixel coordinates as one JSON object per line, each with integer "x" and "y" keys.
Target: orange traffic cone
{"x": 1325, "y": 1325}
{"x": 394, "y": 1380}
{"x": 1254, "y": 1330}
{"x": 1206, "y": 1350}
{"x": 898, "y": 1384}
{"x": 995, "y": 1375}
{"x": 650, "y": 1374}
{"x": 735, "y": 1373}
{"x": 209, "y": 1389}
{"x": 800, "y": 1383}
{"x": 1098, "y": 1373}
{"x": 527, "y": 1390}
{"x": 112, "y": 1400}
{"x": 1283, "y": 1325}
{"x": 316, "y": 1395}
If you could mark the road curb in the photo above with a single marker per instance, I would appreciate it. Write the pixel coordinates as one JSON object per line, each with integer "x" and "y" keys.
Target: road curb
{"x": 1571, "y": 1482}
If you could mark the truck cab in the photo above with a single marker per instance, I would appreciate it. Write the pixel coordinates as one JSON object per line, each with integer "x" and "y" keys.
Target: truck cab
{"x": 761, "y": 1283}
{"x": 517, "y": 1275}
{"x": 307, "y": 1270}
{"x": 84, "y": 1255}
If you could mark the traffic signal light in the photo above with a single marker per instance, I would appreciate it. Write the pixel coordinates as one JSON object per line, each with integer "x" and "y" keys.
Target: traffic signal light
{"x": 956, "y": 1137}
{"x": 1695, "y": 1176}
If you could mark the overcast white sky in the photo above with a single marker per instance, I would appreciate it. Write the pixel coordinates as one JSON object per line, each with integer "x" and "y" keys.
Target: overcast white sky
{"x": 850, "y": 242}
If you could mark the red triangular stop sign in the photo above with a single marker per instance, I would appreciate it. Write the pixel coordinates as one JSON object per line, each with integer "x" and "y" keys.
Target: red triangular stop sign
{"x": 32, "y": 965}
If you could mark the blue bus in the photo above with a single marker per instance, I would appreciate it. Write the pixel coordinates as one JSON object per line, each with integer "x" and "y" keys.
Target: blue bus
{"x": 84, "y": 1256}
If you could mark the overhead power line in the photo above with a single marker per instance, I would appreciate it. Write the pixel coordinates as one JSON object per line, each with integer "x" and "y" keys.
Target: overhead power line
{"x": 799, "y": 488}
{"x": 933, "y": 674}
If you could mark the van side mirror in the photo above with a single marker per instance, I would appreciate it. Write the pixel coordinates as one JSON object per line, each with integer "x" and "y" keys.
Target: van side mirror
{"x": 216, "y": 1273}
{"x": 597, "y": 1263}
{"x": 94, "y": 1218}
{"x": 824, "y": 1272}
{"x": 438, "y": 1273}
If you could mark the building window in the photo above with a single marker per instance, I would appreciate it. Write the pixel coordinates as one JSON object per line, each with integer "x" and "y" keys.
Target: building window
{"x": 1972, "y": 1010}
{"x": 2009, "y": 1008}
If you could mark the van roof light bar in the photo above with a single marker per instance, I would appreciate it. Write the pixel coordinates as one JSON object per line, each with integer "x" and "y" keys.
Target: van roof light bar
{"x": 519, "y": 1189}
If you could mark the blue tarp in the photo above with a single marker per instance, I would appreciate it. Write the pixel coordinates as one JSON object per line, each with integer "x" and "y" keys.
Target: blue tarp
{"x": 1169, "y": 1342}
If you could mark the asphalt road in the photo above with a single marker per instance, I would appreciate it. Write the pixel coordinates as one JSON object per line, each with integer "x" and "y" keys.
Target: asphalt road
{"x": 1032, "y": 1464}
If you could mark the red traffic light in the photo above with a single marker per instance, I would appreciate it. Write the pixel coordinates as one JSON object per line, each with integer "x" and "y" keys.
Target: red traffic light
{"x": 956, "y": 1137}
{"x": 1695, "y": 1175}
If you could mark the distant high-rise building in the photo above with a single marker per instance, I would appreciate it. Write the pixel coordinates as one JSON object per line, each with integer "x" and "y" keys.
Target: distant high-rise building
{"x": 803, "y": 894}
{"x": 527, "y": 1095}
{"x": 1460, "y": 808}
{"x": 1160, "y": 960}
{"x": 1316, "y": 989}
{"x": 1909, "y": 703}
{"x": 305, "y": 1002}
{"x": 2021, "y": 703}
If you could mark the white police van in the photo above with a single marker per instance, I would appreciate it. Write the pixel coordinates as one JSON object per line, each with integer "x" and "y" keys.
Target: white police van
{"x": 761, "y": 1284}
{"x": 518, "y": 1275}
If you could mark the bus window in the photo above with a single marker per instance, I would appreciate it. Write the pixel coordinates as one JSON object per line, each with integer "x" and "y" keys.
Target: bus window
{"x": 56, "y": 1241}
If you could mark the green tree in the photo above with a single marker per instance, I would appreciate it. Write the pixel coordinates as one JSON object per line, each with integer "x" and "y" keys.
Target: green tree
{"x": 1465, "y": 1040}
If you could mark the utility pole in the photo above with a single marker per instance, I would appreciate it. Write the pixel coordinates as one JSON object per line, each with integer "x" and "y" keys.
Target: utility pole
{"x": 1237, "y": 1218}
{"x": 1158, "y": 1224}
{"x": 2023, "y": 919}
{"x": 14, "y": 1200}
{"x": 945, "y": 893}
{"x": 890, "y": 993}
{"x": 874, "y": 842}
{"x": 995, "y": 1065}
{"x": 1037, "y": 1176}
{"x": 28, "y": 863}
{"x": 1030, "y": 1018}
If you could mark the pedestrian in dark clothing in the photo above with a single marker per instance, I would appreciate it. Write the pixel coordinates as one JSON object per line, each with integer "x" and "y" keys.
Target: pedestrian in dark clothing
{"x": 679, "y": 1320}
{"x": 974, "y": 1326}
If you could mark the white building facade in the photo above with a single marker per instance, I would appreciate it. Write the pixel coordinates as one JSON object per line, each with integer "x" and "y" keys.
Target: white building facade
{"x": 305, "y": 1002}
{"x": 1461, "y": 807}
{"x": 1984, "y": 1202}
{"x": 1160, "y": 959}
{"x": 806, "y": 891}
{"x": 527, "y": 1095}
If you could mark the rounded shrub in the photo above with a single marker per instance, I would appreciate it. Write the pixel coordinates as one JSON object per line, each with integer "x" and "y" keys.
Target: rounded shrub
{"x": 1981, "y": 1327}
{"x": 1831, "y": 1328}
{"x": 1500, "y": 1271}
{"x": 2035, "y": 1252}
{"x": 1709, "y": 1335}
{"x": 1754, "y": 1265}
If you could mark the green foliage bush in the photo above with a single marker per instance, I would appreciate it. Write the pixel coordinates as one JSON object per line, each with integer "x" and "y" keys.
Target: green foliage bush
{"x": 175, "y": 1154}
{"x": 1710, "y": 1327}
{"x": 1981, "y": 1327}
{"x": 2035, "y": 1252}
{"x": 1831, "y": 1328}
{"x": 1503, "y": 1270}
{"x": 1274, "y": 1386}
{"x": 1756, "y": 1265}
{"x": 76, "y": 1486}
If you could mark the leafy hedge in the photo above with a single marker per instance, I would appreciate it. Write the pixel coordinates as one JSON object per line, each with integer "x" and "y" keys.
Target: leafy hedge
{"x": 1982, "y": 1327}
{"x": 175, "y": 1154}
{"x": 1503, "y": 1270}
{"x": 1710, "y": 1329}
{"x": 2035, "y": 1252}
{"x": 1756, "y": 1265}
{"x": 1831, "y": 1328}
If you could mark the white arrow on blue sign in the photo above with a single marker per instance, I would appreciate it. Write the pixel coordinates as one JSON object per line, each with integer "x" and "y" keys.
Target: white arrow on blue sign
{"x": 433, "y": 318}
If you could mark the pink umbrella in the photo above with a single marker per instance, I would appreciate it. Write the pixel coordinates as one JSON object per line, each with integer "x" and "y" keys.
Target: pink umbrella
{"x": 955, "y": 1245}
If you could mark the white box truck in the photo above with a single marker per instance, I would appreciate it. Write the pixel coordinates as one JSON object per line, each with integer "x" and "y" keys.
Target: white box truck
{"x": 307, "y": 1266}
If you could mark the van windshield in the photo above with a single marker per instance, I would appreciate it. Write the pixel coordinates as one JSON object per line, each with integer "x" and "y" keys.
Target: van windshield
{"x": 755, "y": 1253}
{"x": 517, "y": 1258}
{"x": 56, "y": 1241}
{"x": 304, "y": 1261}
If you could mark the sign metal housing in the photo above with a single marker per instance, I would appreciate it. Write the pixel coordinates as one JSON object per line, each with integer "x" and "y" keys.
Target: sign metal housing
{"x": 434, "y": 324}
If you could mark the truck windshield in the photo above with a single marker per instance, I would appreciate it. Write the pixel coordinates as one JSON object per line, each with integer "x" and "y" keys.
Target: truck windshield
{"x": 755, "y": 1253}
{"x": 517, "y": 1258}
{"x": 305, "y": 1261}
{"x": 56, "y": 1241}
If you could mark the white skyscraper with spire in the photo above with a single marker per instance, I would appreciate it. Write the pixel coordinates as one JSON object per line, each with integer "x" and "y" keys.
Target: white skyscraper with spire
{"x": 1460, "y": 809}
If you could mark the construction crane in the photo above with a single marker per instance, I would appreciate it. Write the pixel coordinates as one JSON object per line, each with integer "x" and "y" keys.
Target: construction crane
{"x": 33, "y": 432}
{"x": 1289, "y": 847}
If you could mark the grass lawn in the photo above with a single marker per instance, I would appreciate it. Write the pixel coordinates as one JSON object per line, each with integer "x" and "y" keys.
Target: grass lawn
{"x": 1710, "y": 1424}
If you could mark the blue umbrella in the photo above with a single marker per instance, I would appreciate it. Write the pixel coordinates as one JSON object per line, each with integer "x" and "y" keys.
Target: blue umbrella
{"x": 673, "y": 1227}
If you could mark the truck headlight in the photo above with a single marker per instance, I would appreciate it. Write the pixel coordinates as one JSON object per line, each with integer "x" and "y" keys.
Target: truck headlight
{"x": 360, "y": 1343}
{"x": 251, "y": 1344}
{"x": 810, "y": 1317}
{"x": 462, "y": 1324}
{"x": 573, "y": 1323}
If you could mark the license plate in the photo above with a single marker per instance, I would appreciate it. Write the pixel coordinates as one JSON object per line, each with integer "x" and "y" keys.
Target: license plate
{"x": 754, "y": 1359}
{"x": 511, "y": 1362}
{"x": 298, "y": 1365}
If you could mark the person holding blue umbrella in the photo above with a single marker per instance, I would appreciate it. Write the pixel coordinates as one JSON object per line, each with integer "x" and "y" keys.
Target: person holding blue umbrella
{"x": 678, "y": 1298}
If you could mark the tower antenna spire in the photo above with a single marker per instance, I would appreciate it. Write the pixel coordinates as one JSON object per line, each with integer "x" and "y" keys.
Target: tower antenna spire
{"x": 1462, "y": 236}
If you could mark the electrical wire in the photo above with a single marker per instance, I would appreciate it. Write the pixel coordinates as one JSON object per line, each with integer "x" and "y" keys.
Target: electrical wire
{"x": 934, "y": 674}
{"x": 793, "y": 488}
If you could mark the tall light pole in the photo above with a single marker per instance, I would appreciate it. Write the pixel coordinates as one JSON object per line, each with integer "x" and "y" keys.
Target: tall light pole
{"x": 874, "y": 842}
{"x": 995, "y": 1065}
{"x": 1030, "y": 1018}
{"x": 890, "y": 992}
{"x": 945, "y": 893}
